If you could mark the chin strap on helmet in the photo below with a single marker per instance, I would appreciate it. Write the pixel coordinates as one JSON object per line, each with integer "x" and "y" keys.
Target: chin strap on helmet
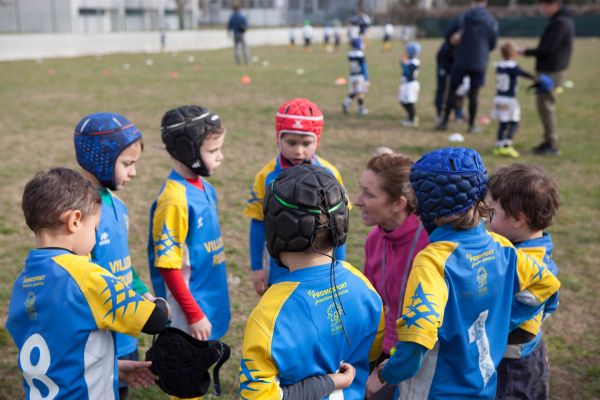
{"x": 183, "y": 130}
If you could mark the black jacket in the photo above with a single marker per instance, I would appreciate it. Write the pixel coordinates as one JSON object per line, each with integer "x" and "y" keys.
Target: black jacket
{"x": 479, "y": 33}
{"x": 556, "y": 44}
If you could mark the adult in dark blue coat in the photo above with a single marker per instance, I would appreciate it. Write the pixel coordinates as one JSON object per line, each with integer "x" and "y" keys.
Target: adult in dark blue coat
{"x": 475, "y": 34}
{"x": 237, "y": 26}
{"x": 444, "y": 61}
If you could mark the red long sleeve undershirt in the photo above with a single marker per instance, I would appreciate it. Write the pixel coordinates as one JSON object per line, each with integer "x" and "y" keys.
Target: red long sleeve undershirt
{"x": 174, "y": 281}
{"x": 176, "y": 284}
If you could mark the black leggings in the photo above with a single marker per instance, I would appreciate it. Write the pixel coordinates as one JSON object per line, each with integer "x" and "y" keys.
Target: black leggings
{"x": 473, "y": 101}
{"x": 507, "y": 130}
{"x": 410, "y": 109}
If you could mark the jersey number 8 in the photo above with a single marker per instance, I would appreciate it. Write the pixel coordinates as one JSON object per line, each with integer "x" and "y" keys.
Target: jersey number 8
{"x": 38, "y": 370}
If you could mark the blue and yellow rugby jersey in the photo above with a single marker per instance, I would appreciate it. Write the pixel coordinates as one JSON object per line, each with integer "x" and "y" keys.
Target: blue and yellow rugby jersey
{"x": 254, "y": 210}
{"x": 540, "y": 249}
{"x": 111, "y": 252}
{"x": 458, "y": 305}
{"x": 184, "y": 229}
{"x": 61, "y": 314}
{"x": 295, "y": 332}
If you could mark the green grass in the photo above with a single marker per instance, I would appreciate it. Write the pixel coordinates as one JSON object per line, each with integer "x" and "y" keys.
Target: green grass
{"x": 38, "y": 112}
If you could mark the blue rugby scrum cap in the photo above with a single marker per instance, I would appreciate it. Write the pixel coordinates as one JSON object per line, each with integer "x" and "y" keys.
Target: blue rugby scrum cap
{"x": 99, "y": 140}
{"x": 446, "y": 182}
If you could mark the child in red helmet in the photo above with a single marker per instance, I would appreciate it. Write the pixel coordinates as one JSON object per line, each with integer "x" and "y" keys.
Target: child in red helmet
{"x": 298, "y": 127}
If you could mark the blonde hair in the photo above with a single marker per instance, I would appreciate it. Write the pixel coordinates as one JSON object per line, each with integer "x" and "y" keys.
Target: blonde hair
{"x": 467, "y": 219}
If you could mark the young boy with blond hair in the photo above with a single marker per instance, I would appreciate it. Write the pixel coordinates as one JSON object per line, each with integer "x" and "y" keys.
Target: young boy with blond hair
{"x": 298, "y": 127}
{"x": 506, "y": 107}
{"x": 63, "y": 308}
{"x": 185, "y": 244}
{"x": 524, "y": 200}
{"x": 458, "y": 309}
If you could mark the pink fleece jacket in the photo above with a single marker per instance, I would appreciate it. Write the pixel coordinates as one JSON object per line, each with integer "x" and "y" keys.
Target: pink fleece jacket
{"x": 386, "y": 260}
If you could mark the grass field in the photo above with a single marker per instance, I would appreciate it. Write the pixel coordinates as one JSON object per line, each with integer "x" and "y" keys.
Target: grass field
{"x": 40, "y": 103}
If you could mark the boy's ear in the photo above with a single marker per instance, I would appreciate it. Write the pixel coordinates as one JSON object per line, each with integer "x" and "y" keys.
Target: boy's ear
{"x": 520, "y": 220}
{"x": 72, "y": 220}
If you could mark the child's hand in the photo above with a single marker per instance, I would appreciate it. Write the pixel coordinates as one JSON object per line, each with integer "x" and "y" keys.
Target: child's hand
{"x": 455, "y": 39}
{"x": 136, "y": 373}
{"x": 374, "y": 385}
{"x": 259, "y": 280}
{"x": 201, "y": 329}
{"x": 344, "y": 377}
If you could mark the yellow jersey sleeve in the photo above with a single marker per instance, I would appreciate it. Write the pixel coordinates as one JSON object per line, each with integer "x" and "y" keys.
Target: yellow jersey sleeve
{"x": 258, "y": 372}
{"x": 535, "y": 278}
{"x": 170, "y": 226}
{"x": 113, "y": 304}
{"x": 254, "y": 205}
{"x": 425, "y": 297}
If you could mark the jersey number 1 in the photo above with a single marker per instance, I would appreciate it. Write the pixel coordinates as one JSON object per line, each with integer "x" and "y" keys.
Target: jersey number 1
{"x": 39, "y": 370}
{"x": 478, "y": 335}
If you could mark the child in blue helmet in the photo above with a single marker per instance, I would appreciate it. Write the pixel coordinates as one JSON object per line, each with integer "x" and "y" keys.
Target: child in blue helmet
{"x": 410, "y": 87}
{"x": 107, "y": 146}
{"x": 185, "y": 245}
{"x": 358, "y": 79}
{"x": 458, "y": 308}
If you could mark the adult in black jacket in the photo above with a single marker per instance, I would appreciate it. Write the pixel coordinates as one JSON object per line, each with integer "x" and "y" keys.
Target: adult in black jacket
{"x": 475, "y": 34}
{"x": 552, "y": 58}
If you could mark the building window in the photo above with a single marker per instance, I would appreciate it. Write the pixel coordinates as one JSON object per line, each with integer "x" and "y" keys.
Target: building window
{"x": 91, "y": 11}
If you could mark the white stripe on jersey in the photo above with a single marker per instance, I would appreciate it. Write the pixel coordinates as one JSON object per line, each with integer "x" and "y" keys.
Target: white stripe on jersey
{"x": 99, "y": 362}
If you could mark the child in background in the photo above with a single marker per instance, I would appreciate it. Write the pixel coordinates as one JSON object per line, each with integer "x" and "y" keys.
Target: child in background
{"x": 324, "y": 313}
{"x": 63, "y": 308}
{"x": 107, "y": 146}
{"x": 307, "y": 34}
{"x": 292, "y": 36}
{"x": 458, "y": 307}
{"x": 337, "y": 34}
{"x": 358, "y": 80}
{"x": 524, "y": 200}
{"x": 185, "y": 246}
{"x": 327, "y": 35}
{"x": 409, "y": 88}
{"x": 506, "y": 106}
{"x": 388, "y": 31}
{"x": 298, "y": 127}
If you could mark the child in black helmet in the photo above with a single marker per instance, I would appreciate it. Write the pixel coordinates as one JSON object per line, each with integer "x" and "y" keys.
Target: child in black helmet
{"x": 324, "y": 312}
{"x": 185, "y": 247}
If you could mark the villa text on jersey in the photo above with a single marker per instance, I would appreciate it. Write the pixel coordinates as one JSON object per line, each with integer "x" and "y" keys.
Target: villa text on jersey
{"x": 185, "y": 234}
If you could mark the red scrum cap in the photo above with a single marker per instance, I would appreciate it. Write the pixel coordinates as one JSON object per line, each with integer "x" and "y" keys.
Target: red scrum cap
{"x": 301, "y": 117}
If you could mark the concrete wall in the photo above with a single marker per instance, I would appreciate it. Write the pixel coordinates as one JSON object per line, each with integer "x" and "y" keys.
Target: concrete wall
{"x": 35, "y": 46}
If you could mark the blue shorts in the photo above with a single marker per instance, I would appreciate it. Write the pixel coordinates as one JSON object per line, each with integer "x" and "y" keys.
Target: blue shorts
{"x": 457, "y": 75}
{"x": 525, "y": 378}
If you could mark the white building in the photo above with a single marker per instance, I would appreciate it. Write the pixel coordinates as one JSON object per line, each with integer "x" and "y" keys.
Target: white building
{"x": 95, "y": 16}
